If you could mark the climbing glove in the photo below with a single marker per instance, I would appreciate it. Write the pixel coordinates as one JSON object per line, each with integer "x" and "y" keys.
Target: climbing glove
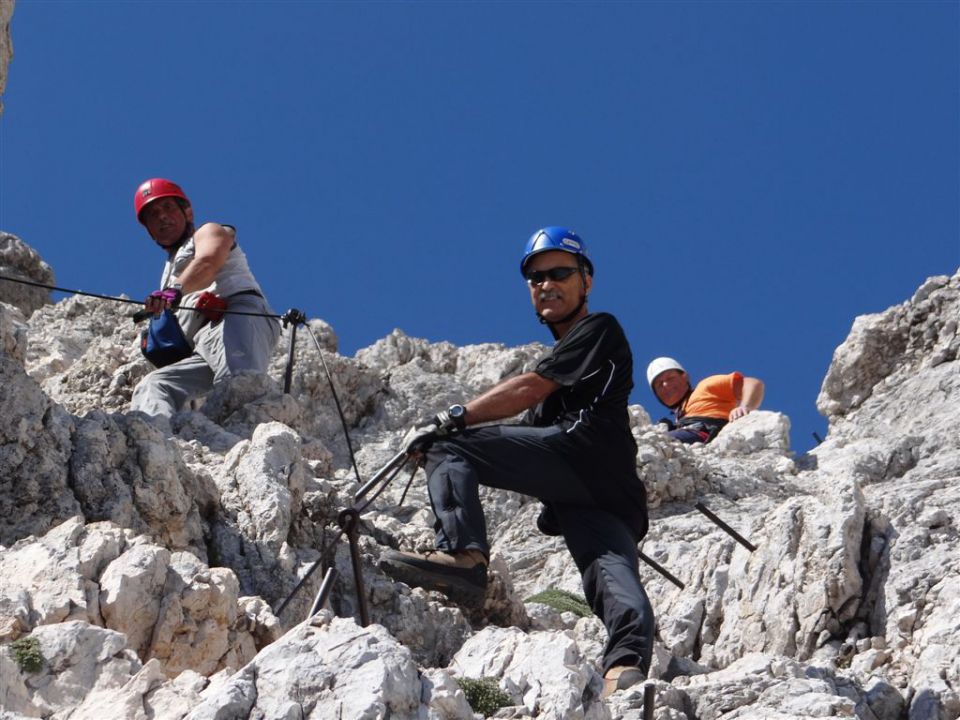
{"x": 172, "y": 295}
{"x": 421, "y": 436}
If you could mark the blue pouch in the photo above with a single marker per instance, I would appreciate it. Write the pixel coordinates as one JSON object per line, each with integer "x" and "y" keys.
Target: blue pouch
{"x": 163, "y": 342}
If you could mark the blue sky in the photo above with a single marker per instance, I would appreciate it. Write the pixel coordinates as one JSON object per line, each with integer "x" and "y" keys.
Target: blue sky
{"x": 748, "y": 176}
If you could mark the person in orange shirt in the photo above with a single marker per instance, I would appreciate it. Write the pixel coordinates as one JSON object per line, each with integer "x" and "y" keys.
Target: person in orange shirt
{"x": 700, "y": 412}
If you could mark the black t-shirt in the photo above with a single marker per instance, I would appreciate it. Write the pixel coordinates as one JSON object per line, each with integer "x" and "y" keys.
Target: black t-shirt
{"x": 593, "y": 365}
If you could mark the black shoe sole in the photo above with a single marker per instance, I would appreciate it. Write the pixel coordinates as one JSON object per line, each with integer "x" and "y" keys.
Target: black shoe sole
{"x": 465, "y": 587}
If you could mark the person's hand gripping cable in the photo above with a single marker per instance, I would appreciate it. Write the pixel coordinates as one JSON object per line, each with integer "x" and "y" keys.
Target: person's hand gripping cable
{"x": 422, "y": 435}
{"x": 160, "y": 300}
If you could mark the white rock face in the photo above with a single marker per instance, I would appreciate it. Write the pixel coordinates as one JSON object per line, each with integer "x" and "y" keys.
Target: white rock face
{"x": 35, "y": 440}
{"x": 17, "y": 259}
{"x": 149, "y": 567}
{"x": 6, "y": 45}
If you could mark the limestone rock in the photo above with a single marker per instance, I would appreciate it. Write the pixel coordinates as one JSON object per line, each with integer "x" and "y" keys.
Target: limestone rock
{"x": 79, "y": 659}
{"x": 122, "y": 469}
{"x": 760, "y": 430}
{"x": 13, "y": 333}
{"x": 194, "y": 620}
{"x": 6, "y": 45}
{"x": 327, "y": 668}
{"x": 261, "y": 485}
{"x": 131, "y": 589}
{"x": 85, "y": 352}
{"x": 917, "y": 333}
{"x": 53, "y": 579}
{"x": 543, "y": 672}
{"x": 17, "y": 259}
{"x": 34, "y": 452}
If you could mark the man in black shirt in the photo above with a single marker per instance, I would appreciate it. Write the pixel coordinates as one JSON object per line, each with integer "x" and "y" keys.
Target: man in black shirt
{"x": 573, "y": 451}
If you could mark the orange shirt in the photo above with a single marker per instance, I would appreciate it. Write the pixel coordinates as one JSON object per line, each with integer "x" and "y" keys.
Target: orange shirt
{"x": 714, "y": 397}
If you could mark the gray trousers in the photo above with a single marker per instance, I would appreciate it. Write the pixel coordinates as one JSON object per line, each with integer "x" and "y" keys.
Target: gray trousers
{"x": 603, "y": 544}
{"x": 236, "y": 344}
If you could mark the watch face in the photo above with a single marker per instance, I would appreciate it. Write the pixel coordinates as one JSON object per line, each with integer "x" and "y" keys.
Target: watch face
{"x": 456, "y": 411}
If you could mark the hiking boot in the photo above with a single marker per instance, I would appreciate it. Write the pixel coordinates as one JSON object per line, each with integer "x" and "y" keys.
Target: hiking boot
{"x": 461, "y": 576}
{"x": 621, "y": 677}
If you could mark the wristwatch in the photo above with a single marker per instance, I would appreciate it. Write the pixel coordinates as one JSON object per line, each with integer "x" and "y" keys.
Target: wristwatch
{"x": 453, "y": 418}
{"x": 458, "y": 414}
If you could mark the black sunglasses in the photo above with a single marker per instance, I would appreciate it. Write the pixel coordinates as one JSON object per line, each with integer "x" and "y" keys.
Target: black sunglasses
{"x": 536, "y": 277}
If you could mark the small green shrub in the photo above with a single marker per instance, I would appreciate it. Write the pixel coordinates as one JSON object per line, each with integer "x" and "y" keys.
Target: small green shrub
{"x": 27, "y": 655}
{"x": 562, "y": 601}
{"x": 484, "y": 695}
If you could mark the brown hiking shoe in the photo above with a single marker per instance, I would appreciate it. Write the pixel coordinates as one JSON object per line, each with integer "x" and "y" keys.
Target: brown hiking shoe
{"x": 621, "y": 677}
{"x": 461, "y": 576}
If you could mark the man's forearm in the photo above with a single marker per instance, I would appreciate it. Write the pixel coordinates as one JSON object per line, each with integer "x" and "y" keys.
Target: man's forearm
{"x": 508, "y": 398}
{"x": 199, "y": 274}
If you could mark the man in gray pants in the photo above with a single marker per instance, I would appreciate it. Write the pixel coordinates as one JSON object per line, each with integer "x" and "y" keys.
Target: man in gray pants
{"x": 202, "y": 265}
{"x": 574, "y": 452}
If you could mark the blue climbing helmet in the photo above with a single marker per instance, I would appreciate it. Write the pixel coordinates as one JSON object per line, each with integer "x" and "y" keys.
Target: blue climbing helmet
{"x": 556, "y": 238}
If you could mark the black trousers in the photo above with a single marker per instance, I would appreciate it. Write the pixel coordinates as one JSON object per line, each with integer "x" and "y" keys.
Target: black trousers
{"x": 603, "y": 544}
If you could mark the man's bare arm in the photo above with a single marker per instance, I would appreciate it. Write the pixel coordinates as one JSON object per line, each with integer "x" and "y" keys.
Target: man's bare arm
{"x": 750, "y": 398}
{"x": 509, "y": 397}
{"x": 212, "y": 244}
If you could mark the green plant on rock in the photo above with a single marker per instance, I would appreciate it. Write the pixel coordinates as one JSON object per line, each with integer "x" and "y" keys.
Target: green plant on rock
{"x": 27, "y": 655}
{"x": 484, "y": 695}
{"x": 562, "y": 601}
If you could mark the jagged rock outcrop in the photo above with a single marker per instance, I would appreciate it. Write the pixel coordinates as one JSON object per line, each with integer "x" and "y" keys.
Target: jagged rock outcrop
{"x": 19, "y": 260}
{"x": 6, "y": 45}
{"x": 147, "y": 567}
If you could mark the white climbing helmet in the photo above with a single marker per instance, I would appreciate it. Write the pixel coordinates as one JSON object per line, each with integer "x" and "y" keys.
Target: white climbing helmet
{"x": 659, "y": 365}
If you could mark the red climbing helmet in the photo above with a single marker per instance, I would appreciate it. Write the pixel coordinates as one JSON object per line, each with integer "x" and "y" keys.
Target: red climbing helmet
{"x": 154, "y": 189}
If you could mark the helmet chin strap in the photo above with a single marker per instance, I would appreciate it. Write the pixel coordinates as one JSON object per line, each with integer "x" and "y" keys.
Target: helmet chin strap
{"x": 680, "y": 403}
{"x": 566, "y": 318}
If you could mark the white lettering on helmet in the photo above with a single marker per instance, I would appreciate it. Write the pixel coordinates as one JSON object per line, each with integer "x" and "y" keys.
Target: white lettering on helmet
{"x": 570, "y": 242}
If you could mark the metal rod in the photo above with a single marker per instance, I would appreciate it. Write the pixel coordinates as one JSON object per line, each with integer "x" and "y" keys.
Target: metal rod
{"x": 309, "y": 572}
{"x": 349, "y": 520}
{"x": 662, "y": 570}
{"x": 348, "y": 524}
{"x": 413, "y": 474}
{"x": 325, "y": 587}
{"x": 291, "y": 317}
{"x": 649, "y": 694}
{"x": 400, "y": 457}
{"x": 726, "y": 528}
{"x": 288, "y": 370}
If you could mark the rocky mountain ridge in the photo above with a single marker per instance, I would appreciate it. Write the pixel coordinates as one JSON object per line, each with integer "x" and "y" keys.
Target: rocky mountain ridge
{"x": 145, "y": 570}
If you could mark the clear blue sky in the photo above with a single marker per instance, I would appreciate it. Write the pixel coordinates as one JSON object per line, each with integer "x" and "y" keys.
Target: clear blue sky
{"x": 749, "y": 176}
